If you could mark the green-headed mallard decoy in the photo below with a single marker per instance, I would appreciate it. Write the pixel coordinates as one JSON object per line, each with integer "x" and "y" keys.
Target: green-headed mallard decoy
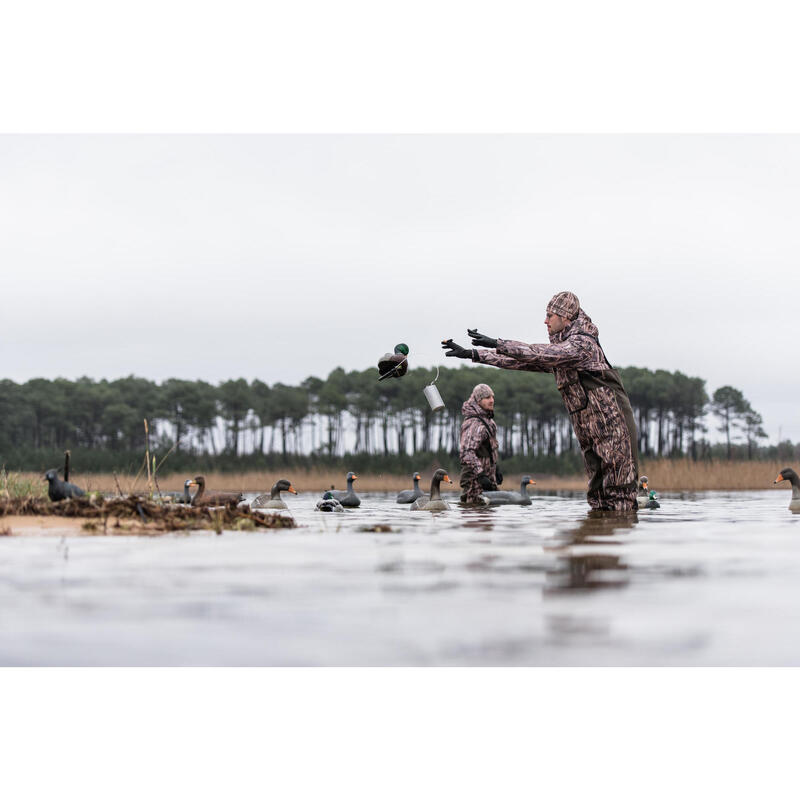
{"x": 394, "y": 365}
{"x": 505, "y": 498}
{"x": 273, "y": 499}
{"x": 329, "y": 503}
{"x": 433, "y": 502}
{"x": 791, "y": 476}
{"x": 410, "y": 495}
{"x": 646, "y": 497}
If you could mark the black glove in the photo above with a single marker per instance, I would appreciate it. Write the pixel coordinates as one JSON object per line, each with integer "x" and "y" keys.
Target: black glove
{"x": 455, "y": 350}
{"x": 498, "y": 476}
{"x": 487, "y": 484}
{"x": 479, "y": 340}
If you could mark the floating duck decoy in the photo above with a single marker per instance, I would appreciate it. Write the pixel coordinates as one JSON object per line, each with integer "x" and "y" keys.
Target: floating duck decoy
{"x": 394, "y": 365}
{"x": 506, "y": 498}
{"x": 58, "y": 489}
{"x": 329, "y": 503}
{"x": 204, "y": 498}
{"x": 410, "y": 495}
{"x": 646, "y": 497}
{"x": 348, "y": 499}
{"x": 433, "y": 502}
{"x": 273, "y": 499}
{"x": 791, "y": 476}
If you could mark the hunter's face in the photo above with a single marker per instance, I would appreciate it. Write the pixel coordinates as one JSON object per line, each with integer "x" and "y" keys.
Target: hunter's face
{"x": 555, "y": 323}
{"x": 487, "y": 403}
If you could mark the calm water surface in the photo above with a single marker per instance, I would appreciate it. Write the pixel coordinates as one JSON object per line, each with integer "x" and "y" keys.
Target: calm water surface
{"x": 707, "y": 579}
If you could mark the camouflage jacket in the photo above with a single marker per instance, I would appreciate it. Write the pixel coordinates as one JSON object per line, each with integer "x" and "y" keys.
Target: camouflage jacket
{"x": 572, "y": 350}
{"x": 478, "y": 442}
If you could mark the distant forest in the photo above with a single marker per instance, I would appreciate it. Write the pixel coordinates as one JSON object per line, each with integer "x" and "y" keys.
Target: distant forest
{"x": 352, "y": 420}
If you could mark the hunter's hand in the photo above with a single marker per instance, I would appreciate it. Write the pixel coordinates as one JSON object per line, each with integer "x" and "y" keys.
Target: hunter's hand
{"x": 479, "y": 340}
{"x": 455, "y": 350}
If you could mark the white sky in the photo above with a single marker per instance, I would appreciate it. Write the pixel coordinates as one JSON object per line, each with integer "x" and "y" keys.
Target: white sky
{"x": 278, "y": 256}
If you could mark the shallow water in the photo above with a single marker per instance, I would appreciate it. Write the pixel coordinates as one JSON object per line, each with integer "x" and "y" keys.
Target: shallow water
{"x": 708, "y": 579}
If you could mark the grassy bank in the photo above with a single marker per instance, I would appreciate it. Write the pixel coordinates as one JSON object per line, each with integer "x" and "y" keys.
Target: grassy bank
{"x": 664, "y": 474}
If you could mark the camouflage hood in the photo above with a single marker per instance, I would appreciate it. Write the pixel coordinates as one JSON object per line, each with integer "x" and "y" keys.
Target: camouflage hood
{"x": 581, "y": 324}
{"x": 472, "y": 408}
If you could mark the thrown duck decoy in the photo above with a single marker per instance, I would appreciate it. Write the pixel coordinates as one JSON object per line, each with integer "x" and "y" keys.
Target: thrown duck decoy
{"x": 348, "y": 499}
{"x": 273, "y": 499}
{"x": 791, "y": 476}
{"x": 646, "y": 497}
{"x": 329, "y": 503}
{"x": 204, "y": 498}
{"x": 505, "y": 498}
{"x": 58, "y": 489}
{"x": 433, "y": 502}
{"x": 410, "y": 495}
{"x": 394, "y": 365}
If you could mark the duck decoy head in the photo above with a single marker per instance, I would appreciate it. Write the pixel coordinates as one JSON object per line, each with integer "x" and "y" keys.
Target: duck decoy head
{"x": 401, "y": 348}
{"x": 786, "y": 474}
{"x": 441, "y": 475}
{"x": 526, "y": 480}
{"x": 351, "y": 476}
{"x": 285, "y": 486}
{"x": 416, "y": 476}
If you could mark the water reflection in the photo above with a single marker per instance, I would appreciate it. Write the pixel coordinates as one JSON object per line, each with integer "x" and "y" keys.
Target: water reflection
{"x": 590, "y": 570}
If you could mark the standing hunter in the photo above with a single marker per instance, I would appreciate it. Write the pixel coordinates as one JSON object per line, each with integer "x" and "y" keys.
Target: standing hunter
{"x": 478, "y": 446}
{"x": 592, "y": 391}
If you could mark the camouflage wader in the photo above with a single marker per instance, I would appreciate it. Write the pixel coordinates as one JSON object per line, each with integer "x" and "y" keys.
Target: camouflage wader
{"x": 597, "y": 403}
{"x": 477, "y": 449}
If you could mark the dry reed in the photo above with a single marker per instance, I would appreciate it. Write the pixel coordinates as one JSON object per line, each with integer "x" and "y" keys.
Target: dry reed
{"x": 664, "y": 474}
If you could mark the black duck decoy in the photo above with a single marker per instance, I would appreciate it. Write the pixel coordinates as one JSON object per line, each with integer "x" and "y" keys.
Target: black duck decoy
{"x": 60, "y": 490}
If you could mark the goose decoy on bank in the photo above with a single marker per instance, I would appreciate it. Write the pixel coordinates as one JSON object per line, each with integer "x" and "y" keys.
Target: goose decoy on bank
{"x": 204, "y": 498}
{"x": 58, "y": 489}
{"x": 646, "y": 497}
{"x": 329, "y": 503}
{"x": 433, "y": 502}
{"x": 394, "y": 365}
{"x": 273, "y": 499}
{"x": 410, "y": 495}
{"x": 505, "y": 498}
{"x": 179, "y": 497}
{"x": 348, "y": 499}
{"x": 791, "y": 476}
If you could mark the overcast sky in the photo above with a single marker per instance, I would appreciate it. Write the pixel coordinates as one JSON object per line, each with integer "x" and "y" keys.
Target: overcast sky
{"x": 279, "y": 257}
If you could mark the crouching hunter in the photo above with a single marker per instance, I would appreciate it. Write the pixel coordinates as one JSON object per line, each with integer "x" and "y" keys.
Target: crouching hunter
{"x": 592, "y": 391}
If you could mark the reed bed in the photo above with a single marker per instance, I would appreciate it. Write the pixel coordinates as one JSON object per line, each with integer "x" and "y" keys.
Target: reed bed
{"x": 664, "y": 474}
